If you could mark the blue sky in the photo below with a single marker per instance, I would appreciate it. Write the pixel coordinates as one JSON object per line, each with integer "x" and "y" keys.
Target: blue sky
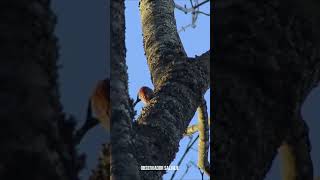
{"x": 196, "y": 41}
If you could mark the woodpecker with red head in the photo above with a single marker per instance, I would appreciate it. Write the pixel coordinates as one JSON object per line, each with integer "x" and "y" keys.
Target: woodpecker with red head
{"x": 145, "y": 94}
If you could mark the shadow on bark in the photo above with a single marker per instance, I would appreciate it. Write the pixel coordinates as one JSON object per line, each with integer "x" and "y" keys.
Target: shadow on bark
{"x": 35, "y": 137}
{"x": 266, "y": 61}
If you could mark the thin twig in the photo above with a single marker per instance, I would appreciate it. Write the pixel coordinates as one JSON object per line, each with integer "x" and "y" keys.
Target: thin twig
{"x": 200, "y": 4}
{"x": 191, "y": 3}
{"x": 193, "y": 129}
{"x": 184, "y": 154}
{"x": 200, "y": 12}
{"x": 186, "y": 171}
{"x": 194, "y": 9}
{"x": 201, "y": 173}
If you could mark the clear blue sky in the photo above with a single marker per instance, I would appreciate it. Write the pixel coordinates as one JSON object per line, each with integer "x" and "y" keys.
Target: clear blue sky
{"x": 196, "y": 41}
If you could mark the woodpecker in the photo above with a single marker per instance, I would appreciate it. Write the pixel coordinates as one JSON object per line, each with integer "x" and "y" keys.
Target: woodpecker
{"x": 98, "y": 109}
{"x": 145, "y": 94}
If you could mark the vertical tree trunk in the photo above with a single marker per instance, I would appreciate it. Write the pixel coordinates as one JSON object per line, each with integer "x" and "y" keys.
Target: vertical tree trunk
{"x": 265, "y": 63}
{"x": 35, "y": 140}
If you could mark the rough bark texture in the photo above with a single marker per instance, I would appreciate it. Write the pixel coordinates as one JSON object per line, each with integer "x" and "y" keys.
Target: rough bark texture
{"x": 36, "y": 141}
{"x": 118, "y": 158}
{"x": 180, "y": 83}
{"x": 123, "y": 163}
{"x": 266, "y": 61}
{"x": 102, "y": 172}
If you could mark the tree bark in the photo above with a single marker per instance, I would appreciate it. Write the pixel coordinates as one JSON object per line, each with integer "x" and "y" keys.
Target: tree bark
{"x": 117, "y": 161}
{"x": 266, "y": 61}
{"x": 123, "y": 162}
{"x": 35, "y": 139}
{"x": 180, "y": 83}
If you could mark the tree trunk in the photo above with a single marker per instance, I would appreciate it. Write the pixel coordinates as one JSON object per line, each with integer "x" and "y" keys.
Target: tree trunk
{"x": 180, "y": 83}
{"x": 266, "y": 61}
{"x": 35, "y": 139}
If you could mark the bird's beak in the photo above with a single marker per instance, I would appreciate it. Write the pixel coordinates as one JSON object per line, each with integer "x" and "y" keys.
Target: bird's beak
{"x": 137, "y": 100}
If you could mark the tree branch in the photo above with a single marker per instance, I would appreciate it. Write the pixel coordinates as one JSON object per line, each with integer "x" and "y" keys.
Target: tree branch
{"x": 184, "y": 154}
{"x": 164, "y": 120}
{"x": 160, "y": 37}
{"x": 204, "y": 61}
{"x": 186, "y": 171}
{"x": 123, "y": 163}
{"x": 194, "y": 13}
{"x": 200, "y": 4}
{"x": 295, "y": 152}
{"x": 179, "y": 85}
{"x": 203, "y": 146}
{"x": 193, "y": 129}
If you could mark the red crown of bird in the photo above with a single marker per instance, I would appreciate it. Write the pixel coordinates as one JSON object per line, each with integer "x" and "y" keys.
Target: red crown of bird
{"x": 145, "y": 94}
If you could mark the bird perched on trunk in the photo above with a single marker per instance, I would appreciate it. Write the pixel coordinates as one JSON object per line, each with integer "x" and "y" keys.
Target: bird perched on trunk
{"x": 145, "y": 94}
{"x": 98, "y": 110}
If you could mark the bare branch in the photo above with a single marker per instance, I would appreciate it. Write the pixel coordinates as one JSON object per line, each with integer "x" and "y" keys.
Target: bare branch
{"x": 184, "y": 155}
{"x": 193, "y": 7}
{"x": 160, "y": 36}
{"x": 194, "y": 10}
{"x": 204, "y": 61}
{"x": 203, "y": 147}
{"x": 201, "y": 173}
{"x": 204, "y": 134}
{"x": 193, "y": 129}
{"x": 183, "y": 9}
{"x": 200, "y": 12}
{"x": 288, "y": 169}
{"x": 186, "y": 171}
{"x": 295, "y": 152}
{"x": 200, "y": 4}
{"x": 183, "y": 28}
